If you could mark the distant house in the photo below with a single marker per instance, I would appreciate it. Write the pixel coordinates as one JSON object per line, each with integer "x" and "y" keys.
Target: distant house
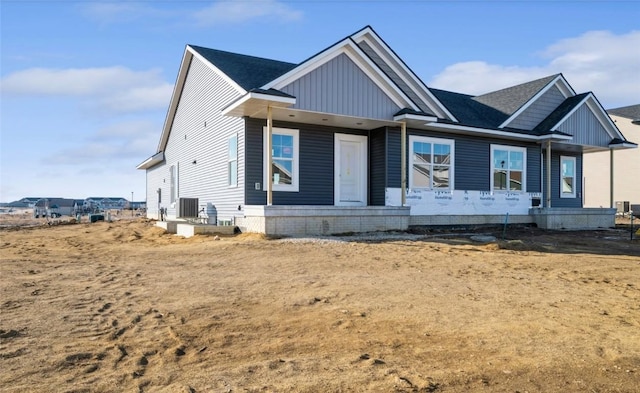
{"x": 105, "y": 203}
{"x": 52, "y": 207}
{"x": 352, "y": 140}
{"x": 626, "y": 166}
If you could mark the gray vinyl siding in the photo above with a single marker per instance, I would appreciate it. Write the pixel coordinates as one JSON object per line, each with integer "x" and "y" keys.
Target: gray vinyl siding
{"x": 155, "y": 181}
{"x": 316, "y": 178}
{"x": 377, "y": 172}
{"x": 585, "y": 128}
{"x": 472, "y": 161}
{"x": 394, "y": 77}
{"x": 340, "y": 87}
{"x": 538, "y": 110}
{"x": 198, "y": 145}
{"x": 556, "y": 201}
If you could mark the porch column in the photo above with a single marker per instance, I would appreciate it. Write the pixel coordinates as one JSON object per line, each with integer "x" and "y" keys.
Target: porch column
{"x": 269, "y": 162}
{"x": 611, "y": 202}
{"x": 403, "y": 164}
{"x": 548, "y": 204}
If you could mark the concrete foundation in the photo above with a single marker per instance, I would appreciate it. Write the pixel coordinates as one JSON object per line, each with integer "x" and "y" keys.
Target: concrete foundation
{"x": 187, "y": 229}
{"x": 573, "y": 218}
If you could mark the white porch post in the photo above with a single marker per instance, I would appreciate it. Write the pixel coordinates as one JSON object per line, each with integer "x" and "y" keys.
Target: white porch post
{"x": 548, "y": 204}
{"x": 611, "y": 202}
{"x": 269, "y": 162}
{"x": 403, "y": 164}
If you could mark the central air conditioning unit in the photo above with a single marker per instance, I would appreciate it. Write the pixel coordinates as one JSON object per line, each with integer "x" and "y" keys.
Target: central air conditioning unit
{"x": 187, "y": 207}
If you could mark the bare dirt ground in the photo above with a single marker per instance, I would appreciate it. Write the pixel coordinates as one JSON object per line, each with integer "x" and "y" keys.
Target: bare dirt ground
{"x": 122, "y": 306}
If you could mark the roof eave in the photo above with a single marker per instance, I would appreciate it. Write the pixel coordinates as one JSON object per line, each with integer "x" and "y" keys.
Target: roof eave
{"x": 254, "y": 102}
{"x": 151, "y": 161}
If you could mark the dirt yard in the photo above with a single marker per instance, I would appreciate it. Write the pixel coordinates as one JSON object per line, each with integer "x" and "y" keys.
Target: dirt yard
{"x": 124, "y": 307}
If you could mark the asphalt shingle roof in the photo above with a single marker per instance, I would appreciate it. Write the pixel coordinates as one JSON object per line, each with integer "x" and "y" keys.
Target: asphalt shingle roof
{"x": 630, "y": 112}
{"x": 560, "y": 112}
{"x": 469, "y": 111}
{"x": 247, "y": 71}
{"x": 510, "y": 99}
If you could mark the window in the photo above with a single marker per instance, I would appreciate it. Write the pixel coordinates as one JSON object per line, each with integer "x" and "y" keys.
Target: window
{"x": 508, "y": 167}
{"x": 567, "y": 177}
{"x": 232, "y": 162}
{"x": 431, "y": 163}
{"x": 173, "y": 183}
{"x": 285, "y": 159}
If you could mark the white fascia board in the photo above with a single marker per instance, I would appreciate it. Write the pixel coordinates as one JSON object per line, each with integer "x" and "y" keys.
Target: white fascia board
{"x": 361, "y": 60}
{"x": 624, "y": 145}
{"x": 497, "y": 133}
{"x": 562, "y": 85}
{"x": 402, "y": 70}
{"x": 255, "y": 96}
{"x": 151, "y": 161}
{"x": 215, "y": 69}
{"x": 409, "y": 116}
{"x": 175, "y": 97}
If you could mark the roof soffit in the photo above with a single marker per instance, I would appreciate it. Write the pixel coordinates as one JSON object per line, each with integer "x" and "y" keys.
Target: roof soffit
{"x": 369, "y": 36}
{"x": 359, "y": 58}
{"x": 559, "y": 81}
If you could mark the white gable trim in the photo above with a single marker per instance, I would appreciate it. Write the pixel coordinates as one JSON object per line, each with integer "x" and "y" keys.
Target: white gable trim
{"x": 216, "y": 70}
{"x": 409, "y": 77}
{"x": 360, "y": 59}
{"x": 559, "y": 82}
{"x": 598, "y": 112}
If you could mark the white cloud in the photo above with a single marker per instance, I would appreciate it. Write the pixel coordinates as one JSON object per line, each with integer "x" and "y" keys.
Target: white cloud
{"x": 118, "y": 89}
{"x": 597, "y": 61}
{"x": 235, "y": 11}
{"x": 120, "y": 12}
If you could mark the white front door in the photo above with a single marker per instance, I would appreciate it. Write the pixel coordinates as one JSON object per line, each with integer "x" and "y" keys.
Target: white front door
{"x": 350, "y": 170}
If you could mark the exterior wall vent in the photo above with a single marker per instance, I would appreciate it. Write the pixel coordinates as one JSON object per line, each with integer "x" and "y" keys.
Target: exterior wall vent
{"x": 188, "y": 207}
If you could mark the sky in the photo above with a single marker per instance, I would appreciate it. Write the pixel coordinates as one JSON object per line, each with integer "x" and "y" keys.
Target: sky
{"x": 85, "y": 84}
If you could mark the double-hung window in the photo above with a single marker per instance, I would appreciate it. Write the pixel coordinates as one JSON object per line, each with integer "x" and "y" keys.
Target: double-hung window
{"x": 232, "y": 161}
{"x": 431, "y": 162}
{"x": 284, "y": 159}
{"x": 567, "y": 177}
{"x": 508, "y": 168}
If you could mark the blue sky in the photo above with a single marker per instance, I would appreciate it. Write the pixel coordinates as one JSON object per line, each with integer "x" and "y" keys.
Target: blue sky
{"x": 85, "y": 85}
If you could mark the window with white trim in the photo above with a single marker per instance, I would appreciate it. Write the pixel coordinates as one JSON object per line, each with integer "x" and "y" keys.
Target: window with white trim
{"x": 173, "y": 183}
{"x": 285, "y": 159}
{"x": 508, "y": 168}
{"x": 567, "y": 177}
{"x": 232, "y": 161}
{"x": 432, "y": 163}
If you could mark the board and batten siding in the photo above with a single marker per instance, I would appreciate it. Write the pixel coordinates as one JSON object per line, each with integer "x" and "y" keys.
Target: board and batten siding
{"x": 394, "y": 77}
{"x": 377, "y": 172}
{"x": 198, "y": 142}
{"x": 585, "y": 128}
{"x": 340, "y": 87}
{"x": 316, "y": 165}
{"x": 539, "y": 109}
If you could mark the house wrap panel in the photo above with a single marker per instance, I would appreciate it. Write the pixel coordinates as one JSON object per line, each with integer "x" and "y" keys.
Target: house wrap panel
{"x": 585, "y": 128}
{"x": 394, "y": 77}
{"x": 538, "y": 110}
{"x": 340, "y": 87}
{"x": 198, "y": 145}
{"x": 316, "y": 164}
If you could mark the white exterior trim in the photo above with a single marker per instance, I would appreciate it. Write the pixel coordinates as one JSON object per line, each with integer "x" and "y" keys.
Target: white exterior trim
{"x": 440, "y": 141}
{"x": 503, "y": 134}
{"x": 575, "y": 177}
{"x": 295, "y": 178}
{"x": 509, "y": 148}
{"x": 363, "y": 168}
{"x": 598, "y": 112}
{"x": 401, "y": 69}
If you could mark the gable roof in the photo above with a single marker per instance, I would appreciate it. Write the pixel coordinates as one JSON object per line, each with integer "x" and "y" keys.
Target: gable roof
{"x": 554, "y": 119}
{"x": 250, "y": 72}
